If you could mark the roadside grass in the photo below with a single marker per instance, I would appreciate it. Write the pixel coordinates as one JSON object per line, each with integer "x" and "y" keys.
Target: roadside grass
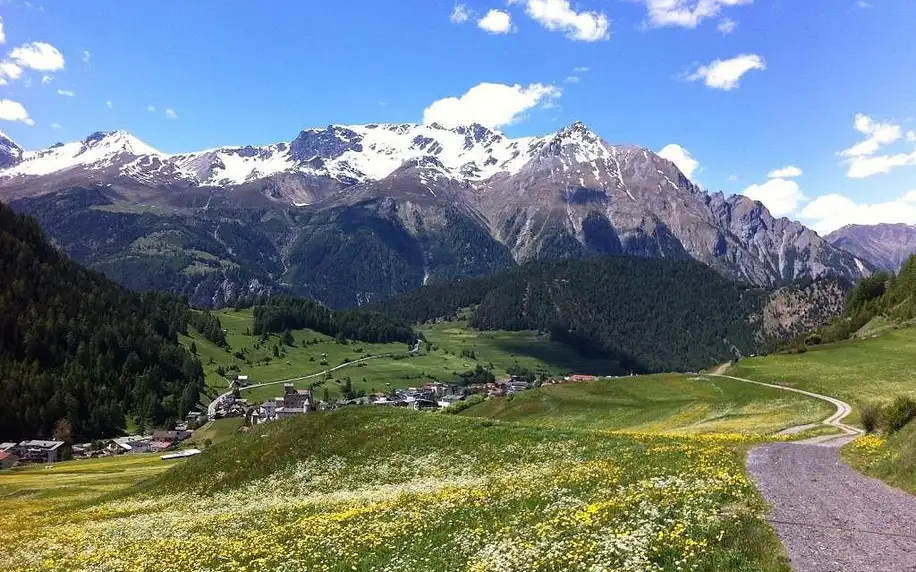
{"x": 665, "y": 403}
{"x": 856, "y": 371}
{"x": 443, "y": 362}
{"x": 891, "y": 458}
{"x": 392, "y": 490}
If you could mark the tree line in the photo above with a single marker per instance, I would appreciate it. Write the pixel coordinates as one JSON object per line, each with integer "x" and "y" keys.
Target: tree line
{"x": 79, "y": 353}
{"x": 281, "y": 313}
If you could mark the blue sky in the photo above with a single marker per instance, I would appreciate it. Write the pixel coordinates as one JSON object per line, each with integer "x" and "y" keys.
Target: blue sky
{"x": 745, "y": 87}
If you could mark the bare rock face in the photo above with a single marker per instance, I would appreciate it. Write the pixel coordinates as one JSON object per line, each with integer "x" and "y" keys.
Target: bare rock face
{"x": 884, "y": 246}
{"x": 406, "y": 203}
{"x": 794, "y": 309}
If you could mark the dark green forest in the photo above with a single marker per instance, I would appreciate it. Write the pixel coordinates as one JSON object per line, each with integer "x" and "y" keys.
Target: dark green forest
{"x": 881, "y": 294}
{"x": 647, "y": 314}
{"x": 79, "y": 352}
{"x": 282, "y": 313}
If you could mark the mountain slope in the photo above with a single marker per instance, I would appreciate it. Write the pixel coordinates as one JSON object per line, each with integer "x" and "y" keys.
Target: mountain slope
{"x": 350, "y": 214}
{"x": 77, "y": 351}
{"x": 884, "y": 246}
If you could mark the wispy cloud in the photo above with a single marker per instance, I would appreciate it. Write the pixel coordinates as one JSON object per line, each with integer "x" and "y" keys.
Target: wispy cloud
{"x": 686, "y": 13}
{"x": 170, "y": 113}
{"x": 109, "y": 104}
{"x": 86, "y": 56}
{"x": 460, "y": 14}
{"x": 55, "y": 126}
{"x": 66, "y": 93}
{"x": 726, "y": 74}
{"x": 151, "y": 108}
{"x": 862, "y": 158}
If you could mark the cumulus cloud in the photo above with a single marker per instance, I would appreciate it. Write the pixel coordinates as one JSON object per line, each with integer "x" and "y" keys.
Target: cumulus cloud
{"x": 38, "y": 56}
{"x": 490, "y": 104}
{"x": 460, "y": 14}
{"x": 170, "y": 113}
{"x": 830, "y": 212}
{"x": 496, "y": 22}
{"x": 726, "y": 26}
{"x": 559, "y": 16}
{"x": 785, "y": 173}
{"x": 680, "y": 157}
{"x": 8, "y": 72}
{"x": 66, "y": 93}
{"x": 780, "y": 196}
{"x": 686, "y": 13}
{"x": 726, "y": 74}
{"x": 862, "y": 158}
{"x": 14, "y": 111}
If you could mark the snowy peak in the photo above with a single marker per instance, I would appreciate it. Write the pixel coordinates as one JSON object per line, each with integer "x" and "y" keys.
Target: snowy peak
{"x": 10, "y": 152}
{"x": 98, "y": 151}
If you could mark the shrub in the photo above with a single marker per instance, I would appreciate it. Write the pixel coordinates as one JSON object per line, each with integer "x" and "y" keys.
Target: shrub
{"x": 871, "y": 416}
{"x": 460, "y": 406}
{"x": 900, "y": 412}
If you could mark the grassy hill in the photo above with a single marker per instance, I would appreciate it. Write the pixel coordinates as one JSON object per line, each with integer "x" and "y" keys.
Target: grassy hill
{"x": 856, "y": 371}
{"x": 658, "y": 403}
{"x": 380, "y": 489}
{"x": 440, "y": 360}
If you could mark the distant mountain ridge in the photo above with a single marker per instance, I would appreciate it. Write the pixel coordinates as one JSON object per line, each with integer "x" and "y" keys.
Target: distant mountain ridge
{"x": 352, "y": 214}
{"x": 884, "y": 246}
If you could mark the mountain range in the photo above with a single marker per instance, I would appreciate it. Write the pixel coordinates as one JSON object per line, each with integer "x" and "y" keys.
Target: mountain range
{"x": 884, "y": 246}
{"x": 354, "y": 214}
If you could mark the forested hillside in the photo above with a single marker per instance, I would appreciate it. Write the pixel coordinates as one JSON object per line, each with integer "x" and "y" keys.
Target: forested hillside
{"x": 79, "y": 352}
{"x": 880, "y": 295}
{"x": 647, "y": 314}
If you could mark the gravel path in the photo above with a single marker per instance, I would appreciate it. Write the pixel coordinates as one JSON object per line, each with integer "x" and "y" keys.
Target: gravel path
{"x": 830, "y": 517}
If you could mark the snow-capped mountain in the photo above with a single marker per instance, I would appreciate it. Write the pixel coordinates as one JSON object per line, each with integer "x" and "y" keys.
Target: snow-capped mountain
{"x": 10, "y": 153}
{"x": 352, "y": 213}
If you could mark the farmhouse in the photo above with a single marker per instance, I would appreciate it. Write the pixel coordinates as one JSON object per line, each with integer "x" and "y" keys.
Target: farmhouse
{"x": 8, "y": 459}
{"x": 163, "y": 440}
{"x": 37, "y": 451}
{"x": 295, "y": 401}
{"x": 130, "y": 444}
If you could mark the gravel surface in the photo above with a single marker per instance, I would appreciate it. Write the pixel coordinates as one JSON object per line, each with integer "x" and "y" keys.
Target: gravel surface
{"x": 831, "y": 518}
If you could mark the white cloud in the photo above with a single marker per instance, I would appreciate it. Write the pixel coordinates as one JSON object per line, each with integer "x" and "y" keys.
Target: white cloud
{"x": 861, "y": 157}
{"x": 727, "y": 26}
{"x": 66, "y": 93}
{"x": 2, "y": 33}
{"x": 785, "y": 173}
{"x": 170, "y": 113}
{"x": 879, "y": 134}
{"x": 780, "y": 196}
{"x": 830, "y": 212}
{"x": 38, "y": 56}
{"x": 726, "y": 74}
{"x": 86, "y": 56}
{"x": 55, "y": 126}
{"x": 581, "y": 69}
{"x": 109, "y": 104}
{"x": 863, "y": 4}
{"x": 680, "y": 157}
{"x": 572, "y": 79}
{"x": 46, "y": 79}
{"x": 686, "y": 13}
{"x": 496, "y": 22}
{"x": 9, "y": 71}
{"x": 14, "y": 111}
{"x": 490, "y": 104}
{"x": 460, "y": 14}
{"x": 732, "y": 178}
{"x": 151, "y": 108}
{"x": 558, "y": 16}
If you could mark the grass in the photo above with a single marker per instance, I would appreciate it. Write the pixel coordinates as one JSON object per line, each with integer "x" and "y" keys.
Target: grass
{"x": 856, "y": 371}
{"x": 390, "y": 490}
{"x": 659, "y": 403}
{"x": 217, "y": 430}
{"x": 441, "y": 361}
{"x": 891, "y": 458}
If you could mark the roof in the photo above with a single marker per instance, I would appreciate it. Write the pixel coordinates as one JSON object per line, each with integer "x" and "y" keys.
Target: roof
{"x": 5, "y": 446}
{"x": 4, "y": 455}
{"x": 35, "y": 443}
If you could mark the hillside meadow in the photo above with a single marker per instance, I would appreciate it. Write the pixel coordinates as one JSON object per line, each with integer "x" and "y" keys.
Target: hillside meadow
{"x": 388, "y": 490}
{"x": 667, "y": 403}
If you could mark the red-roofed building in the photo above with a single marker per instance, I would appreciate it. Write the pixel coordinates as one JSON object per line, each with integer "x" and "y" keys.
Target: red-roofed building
{"x": 7, "y": 459}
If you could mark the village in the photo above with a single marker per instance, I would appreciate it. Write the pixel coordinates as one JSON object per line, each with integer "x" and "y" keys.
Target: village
{"x": 433, "y": 396}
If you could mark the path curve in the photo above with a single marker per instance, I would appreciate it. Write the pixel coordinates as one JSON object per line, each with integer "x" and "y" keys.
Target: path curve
{"x": 843, "y": 410}
{"x": 830, "y": 517}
